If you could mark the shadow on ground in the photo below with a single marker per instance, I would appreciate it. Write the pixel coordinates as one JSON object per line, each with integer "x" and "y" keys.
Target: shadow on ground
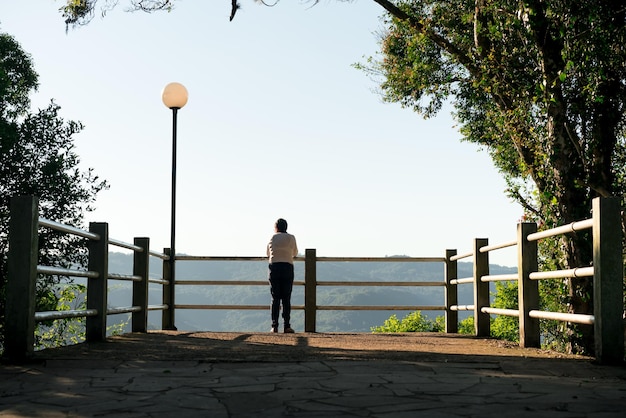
{"x": 266, "y": 347}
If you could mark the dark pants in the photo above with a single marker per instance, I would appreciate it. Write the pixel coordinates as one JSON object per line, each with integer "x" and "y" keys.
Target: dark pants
{"x": 281, "y": 283}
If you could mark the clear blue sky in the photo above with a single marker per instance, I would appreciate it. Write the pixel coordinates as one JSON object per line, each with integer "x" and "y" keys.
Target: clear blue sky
{"x": 278, "y": 124}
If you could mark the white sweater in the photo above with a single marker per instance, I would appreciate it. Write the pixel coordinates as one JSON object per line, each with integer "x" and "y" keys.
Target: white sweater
{"x": 282, "y": 248}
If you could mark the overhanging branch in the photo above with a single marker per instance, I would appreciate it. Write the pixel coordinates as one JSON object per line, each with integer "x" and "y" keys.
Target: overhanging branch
{"x": 424, "y": 29}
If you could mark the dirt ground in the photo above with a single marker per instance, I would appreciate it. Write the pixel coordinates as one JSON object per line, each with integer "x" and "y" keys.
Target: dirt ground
{"x": 267, "y": 347}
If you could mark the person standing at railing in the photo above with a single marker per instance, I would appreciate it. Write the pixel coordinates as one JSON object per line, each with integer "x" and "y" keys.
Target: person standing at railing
{"x": 281, "y": 250}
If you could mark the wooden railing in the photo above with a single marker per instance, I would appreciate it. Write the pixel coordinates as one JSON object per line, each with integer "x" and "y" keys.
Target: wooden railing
{"x": 311, "y": 284}
{"x": 607, "y": 273}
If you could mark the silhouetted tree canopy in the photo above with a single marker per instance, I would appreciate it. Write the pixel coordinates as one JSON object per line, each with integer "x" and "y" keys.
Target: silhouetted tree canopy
{"x": 37, "y": 158}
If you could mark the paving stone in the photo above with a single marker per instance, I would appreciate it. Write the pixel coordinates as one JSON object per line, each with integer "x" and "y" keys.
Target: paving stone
{"x": 322, "y": 383}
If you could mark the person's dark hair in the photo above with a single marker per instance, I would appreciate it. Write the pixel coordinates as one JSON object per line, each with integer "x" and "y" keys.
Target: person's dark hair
{"x": 281, "y": 225}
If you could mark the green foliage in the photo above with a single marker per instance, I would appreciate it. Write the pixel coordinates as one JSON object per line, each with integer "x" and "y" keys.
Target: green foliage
{"x": 513, "y": 70}
{"x": 440, "y": 324}
{"x": 416, "y": 322}
{"x": 37, "y": 158}
{"x": 505, "y": 297}
{"x": 466, "y": 326}
{"x": 413, "y": 322}
{"x": 118, "y": 328}
{"x": 69, "y": 331}
{"x": 17, "y": 80}
{"x": 553, "y": 298}
{"x": 63, "y": 331}
{"x": 76, "y": 11}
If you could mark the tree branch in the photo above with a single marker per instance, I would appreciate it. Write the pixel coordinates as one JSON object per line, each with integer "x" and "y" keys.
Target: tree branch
{"x": 234, "y": 7}
{"x": 522, "y": 201}
{"x": 439, "y": 40}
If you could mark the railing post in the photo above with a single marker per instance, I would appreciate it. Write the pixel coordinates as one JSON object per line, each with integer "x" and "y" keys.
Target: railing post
{"x": 167, "y": 319}
{"x": 451, "y": 293}
{"x": 96, "y": 326}
{"x": 310, "y": 289}
{"x": 527, "y": 290}
{"x": 482, "y": 326}
{"x": 141, "y": 267}
{"x": 608, "y": 273}
{"x": 21, "y": 280}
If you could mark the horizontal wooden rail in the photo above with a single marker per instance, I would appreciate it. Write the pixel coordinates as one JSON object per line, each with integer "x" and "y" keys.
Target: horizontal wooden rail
{"x": 126, "y": 245}
{"x": 58, "y": 271}
{"x": 227, "y": 282}
{"x": 489, "y": 248}
{"x": 159, "y": 255}
{"x": 573, "y": 227}
{"x": 383, "y": 259}
{"x": 462, "y": 281}
{"x": 228, "y": 307}
{"x": 53, "y": 315}
{"x": 462, "y": 307}
{"x": 380, "y": 308}
{"x": 499, "y": 278}
{"x": 499, "y": 311}
{"x": 461, "y": 256}
{"x": 301, "y": 283}
{"x": 124, "y": 277}
{"x": 562, "y": 274}
{"x": 318, "y": 259}
{"x": 378, "y": 284}
{"x": 219, "y": 258}
{"x": 68, "y": 229}
{"x": 320, "y": 307}
{"x": 566, "y": 317}
{"x": 122, "y": 310}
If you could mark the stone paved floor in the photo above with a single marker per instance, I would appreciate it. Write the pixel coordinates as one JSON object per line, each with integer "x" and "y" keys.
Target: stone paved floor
{"x": 308, "y": 375}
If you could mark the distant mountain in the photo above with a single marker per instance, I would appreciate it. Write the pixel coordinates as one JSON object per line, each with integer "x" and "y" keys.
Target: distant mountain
{"x": 255, "y": 320}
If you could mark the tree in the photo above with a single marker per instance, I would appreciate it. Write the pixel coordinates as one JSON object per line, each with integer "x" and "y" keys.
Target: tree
{"x": 37, "y": 158}
{"x": 539, "y": 84}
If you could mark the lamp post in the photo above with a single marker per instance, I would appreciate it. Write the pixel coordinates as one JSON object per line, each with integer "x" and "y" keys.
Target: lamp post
{"x": 174, "y": 96}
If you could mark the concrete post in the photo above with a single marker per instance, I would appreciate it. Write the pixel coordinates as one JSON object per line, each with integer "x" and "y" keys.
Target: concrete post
{"x": 96, "y": 326}
{"x": 451, "y": 293}
{"x": 608, "y": 279}
{"x": 141, "y": 267}
{"x": 21, "y": 280}
{"x": 310, "y": 289}
{"x": 482, "y": 326}
{"x": 527, "y": 290}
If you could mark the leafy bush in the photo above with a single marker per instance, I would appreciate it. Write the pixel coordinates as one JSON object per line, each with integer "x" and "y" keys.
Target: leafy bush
{"x": 505, "y": 297}
{"x": 69, "y": 331}
{"x": 63, "y": 331}
{"x": 413, "y": 322}
{"x": 466, "y": 326}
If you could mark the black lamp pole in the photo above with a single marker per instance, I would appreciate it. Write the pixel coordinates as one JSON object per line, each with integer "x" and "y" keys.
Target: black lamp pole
{"x": 174, "y": 96}
{"x": 173, "y": 220}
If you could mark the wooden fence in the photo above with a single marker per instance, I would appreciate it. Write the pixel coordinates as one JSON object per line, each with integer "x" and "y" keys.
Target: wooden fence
{"x": 606, "y": 272}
